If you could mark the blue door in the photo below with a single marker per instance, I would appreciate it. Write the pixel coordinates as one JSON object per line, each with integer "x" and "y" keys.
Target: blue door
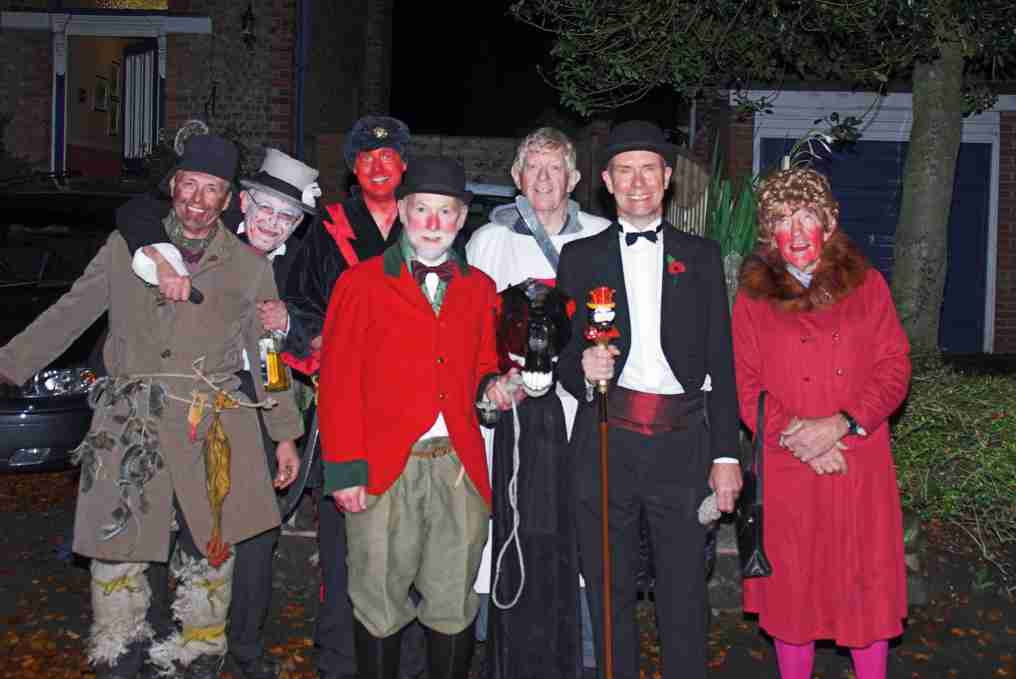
{"x": 867, "y": 180}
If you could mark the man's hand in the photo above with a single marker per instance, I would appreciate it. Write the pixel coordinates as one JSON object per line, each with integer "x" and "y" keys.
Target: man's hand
{"x": 351, "y": 499}
{"x": 505, "y": 390}
{"x": 289, "y": 464}
{"x": 273, "y": 315}
{"x": 725, "y": 480}
{"x": 172, "y": 285}
{"x": 830, "y": 462}
{"x": 598, "y": 362}
{"x": 315, "y": 344}
{"x": 809, "y": 438}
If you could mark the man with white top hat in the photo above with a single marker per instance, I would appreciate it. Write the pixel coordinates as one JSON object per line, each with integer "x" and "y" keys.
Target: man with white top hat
{"x": 272, "y": 205}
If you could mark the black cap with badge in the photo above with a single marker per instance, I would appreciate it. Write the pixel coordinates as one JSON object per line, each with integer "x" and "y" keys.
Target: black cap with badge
{"x": 375, "y": 132}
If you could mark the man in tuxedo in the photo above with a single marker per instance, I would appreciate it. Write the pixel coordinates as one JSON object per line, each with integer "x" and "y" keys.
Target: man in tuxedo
{"x": 671, "y": 403}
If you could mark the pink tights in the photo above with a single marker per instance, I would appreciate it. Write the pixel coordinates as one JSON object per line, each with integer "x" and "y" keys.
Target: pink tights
{"x": 796, "y": 660}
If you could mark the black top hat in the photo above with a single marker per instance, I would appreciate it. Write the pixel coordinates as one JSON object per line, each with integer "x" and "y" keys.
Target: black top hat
{"x": 375, "y": 132}
{"x": 638, "y": 135}
{"x": 208, "y": 153}
{"x": 287, "y": 178}
{"x": 434, "y": 174}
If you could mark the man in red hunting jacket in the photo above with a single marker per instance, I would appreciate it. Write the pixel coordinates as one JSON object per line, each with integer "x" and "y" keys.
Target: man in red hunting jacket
{"x": 408, "y": 348}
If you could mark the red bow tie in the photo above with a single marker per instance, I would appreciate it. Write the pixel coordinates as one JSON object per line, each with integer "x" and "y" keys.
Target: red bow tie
{"x": 445, "y": 270}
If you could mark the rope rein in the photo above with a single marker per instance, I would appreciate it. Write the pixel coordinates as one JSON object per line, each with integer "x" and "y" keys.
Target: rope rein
{"x": 513, "y": 502}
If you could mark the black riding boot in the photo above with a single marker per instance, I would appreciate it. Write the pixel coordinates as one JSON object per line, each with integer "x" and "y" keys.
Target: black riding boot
{"x": 376, "y": 658}
{"x": 449, "y": 655}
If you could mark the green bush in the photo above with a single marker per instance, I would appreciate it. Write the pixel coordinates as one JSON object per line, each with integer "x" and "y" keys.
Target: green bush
{"x": 955, "y": 450}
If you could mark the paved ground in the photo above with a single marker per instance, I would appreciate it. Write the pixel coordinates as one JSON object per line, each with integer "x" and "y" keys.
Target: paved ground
{"x": 967, "y": 631}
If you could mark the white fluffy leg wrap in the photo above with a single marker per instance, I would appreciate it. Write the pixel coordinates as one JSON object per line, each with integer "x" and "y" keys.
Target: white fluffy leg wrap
{"x": 120, "y": 600}
{"x": 201, "y": 605}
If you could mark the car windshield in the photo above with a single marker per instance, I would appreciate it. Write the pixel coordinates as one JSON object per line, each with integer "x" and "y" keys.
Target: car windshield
{"x": 37, "y": 266}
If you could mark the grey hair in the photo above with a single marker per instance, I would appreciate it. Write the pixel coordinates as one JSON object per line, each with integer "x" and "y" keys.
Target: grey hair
{"x": 545, "y": 139}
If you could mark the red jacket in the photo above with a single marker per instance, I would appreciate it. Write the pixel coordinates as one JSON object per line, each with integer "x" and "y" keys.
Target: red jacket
{"x": 389, "y": 366}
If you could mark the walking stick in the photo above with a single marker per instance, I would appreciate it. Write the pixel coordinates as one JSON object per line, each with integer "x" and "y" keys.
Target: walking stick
{"x": 600, "y": 331}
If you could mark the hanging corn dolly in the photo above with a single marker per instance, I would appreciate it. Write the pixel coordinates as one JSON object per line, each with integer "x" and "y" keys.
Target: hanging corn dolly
{"x": 217, "y": 457}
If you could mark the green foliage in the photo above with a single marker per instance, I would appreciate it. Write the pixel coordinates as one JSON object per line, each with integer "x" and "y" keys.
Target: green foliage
{"x": 731, "y": 218}
{"x": 955, "y": 451}
{"x": 612, "y": 52}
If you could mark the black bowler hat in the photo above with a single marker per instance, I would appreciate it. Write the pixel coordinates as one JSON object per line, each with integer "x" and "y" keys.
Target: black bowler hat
{"x": 375, "y": 132}
{"x": 208, "y": 153}
{"x": 435, "y": 174}
{"x": 638, "y": 135}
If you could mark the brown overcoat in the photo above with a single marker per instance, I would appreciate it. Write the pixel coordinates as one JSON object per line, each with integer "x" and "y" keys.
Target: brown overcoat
{"x": 146, "y": 337}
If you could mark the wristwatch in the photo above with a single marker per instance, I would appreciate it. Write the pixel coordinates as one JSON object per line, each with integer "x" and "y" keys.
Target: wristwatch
{"x": 853, "y": 428}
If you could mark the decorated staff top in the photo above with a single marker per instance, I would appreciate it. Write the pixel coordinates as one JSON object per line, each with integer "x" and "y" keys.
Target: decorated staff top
{"x": 601, "y": 316}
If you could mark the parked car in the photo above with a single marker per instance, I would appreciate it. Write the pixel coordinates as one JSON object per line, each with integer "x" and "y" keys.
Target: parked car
{"x": 486, "y": 197}
{"x": 44, "y": 419}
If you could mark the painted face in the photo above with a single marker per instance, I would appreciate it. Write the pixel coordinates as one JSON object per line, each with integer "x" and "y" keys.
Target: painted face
{"x": 545, "y": 180}
{"x": 379, "y": 172}
{"x": 799, "y": 234}
{"x": 637, "y": 179}
{"x": 268, "y": 220}
{"x": 431, "y": 222}
{"x": 198, "y": 200}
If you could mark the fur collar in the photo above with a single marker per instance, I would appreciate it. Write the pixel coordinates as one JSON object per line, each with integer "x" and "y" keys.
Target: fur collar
{"x": 842, "y": 269}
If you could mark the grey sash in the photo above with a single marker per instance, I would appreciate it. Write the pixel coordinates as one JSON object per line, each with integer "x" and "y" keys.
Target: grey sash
{"x": 539, "y": 233}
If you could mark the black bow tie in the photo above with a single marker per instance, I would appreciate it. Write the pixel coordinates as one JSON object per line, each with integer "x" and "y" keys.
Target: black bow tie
{"x": 445, "y": 270}
{"x": 631, "y": 237}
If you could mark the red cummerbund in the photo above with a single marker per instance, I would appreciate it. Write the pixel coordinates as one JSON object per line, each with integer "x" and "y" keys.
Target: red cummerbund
{"x": 653, "y": 413}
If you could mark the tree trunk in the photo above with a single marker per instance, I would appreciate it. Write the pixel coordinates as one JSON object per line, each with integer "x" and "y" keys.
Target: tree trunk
{"x": 922, "y": 235}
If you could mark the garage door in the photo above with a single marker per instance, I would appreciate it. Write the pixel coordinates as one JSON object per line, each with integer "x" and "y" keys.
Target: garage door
{"x": 867, "y": 180}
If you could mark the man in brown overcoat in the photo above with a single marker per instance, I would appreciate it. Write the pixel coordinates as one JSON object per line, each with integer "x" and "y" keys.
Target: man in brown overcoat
{"x": 145, "y": 483}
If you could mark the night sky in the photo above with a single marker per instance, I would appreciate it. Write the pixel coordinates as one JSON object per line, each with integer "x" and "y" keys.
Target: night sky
{"x": 475, "y": 72}
{"x": 468, "y": 72}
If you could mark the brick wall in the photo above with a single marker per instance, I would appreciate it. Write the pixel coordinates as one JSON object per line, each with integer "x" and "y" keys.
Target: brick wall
{"x": 26, "y": 83}
{"x": 245, "y": 93}
{"x": 1005, "y": 291}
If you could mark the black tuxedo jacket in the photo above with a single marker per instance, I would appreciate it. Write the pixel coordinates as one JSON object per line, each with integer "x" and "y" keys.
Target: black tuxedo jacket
{"x": 694, "y": 328}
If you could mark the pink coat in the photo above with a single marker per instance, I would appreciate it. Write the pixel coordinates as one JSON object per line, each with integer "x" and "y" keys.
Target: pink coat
{"x": 835, "y": 541}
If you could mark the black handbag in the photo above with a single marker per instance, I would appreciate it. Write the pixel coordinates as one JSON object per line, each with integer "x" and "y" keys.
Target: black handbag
{"x": 750, "y": 545}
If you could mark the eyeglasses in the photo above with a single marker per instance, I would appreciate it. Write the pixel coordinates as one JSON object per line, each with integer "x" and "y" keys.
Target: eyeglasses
{"x": 276, "y": 215}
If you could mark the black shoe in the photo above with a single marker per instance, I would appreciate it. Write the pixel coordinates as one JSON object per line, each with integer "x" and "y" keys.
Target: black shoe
{"x": 376, "y": 658}
{"x": 449, "y": 655}
{"x": 259, "y": 668}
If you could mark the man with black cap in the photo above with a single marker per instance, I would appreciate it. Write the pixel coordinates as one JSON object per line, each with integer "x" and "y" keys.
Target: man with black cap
{"x": 272, "y": 205}
{"x": 175, "y": 454}
{"x": 672, "y": 407}
{"x": 408, "y": 349}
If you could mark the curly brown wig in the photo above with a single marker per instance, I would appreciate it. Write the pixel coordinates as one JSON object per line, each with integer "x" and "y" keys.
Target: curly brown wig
{"x": 795, "y": 188}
